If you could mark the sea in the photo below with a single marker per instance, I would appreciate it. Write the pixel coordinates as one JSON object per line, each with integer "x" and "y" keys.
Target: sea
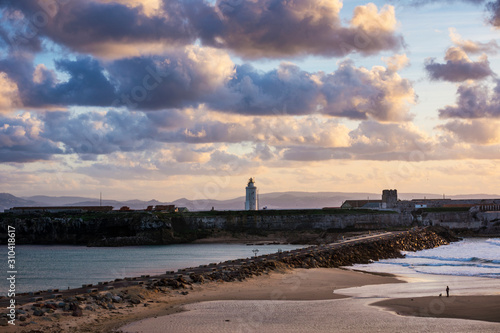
{"x": 478, "y": 257}
{"x": 42, "y": 267}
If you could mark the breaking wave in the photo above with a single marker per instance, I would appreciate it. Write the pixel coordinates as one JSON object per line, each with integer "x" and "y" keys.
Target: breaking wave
{"x": 469, "y": 257}
{"x": 493, "y": 241}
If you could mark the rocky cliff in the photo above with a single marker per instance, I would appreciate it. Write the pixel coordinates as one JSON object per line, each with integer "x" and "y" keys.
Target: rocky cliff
{"x": 101, "y": 229}
{"x": 147, "y": 228}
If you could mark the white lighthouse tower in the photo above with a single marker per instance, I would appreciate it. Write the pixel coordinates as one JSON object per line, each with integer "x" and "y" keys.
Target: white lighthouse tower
{"x": 251, "y": 202}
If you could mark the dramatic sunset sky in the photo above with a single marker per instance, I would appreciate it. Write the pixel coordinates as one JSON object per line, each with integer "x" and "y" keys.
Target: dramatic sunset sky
{"x": 166, "y": 99}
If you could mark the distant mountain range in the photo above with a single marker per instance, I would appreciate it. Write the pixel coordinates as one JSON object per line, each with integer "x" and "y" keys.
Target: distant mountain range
{"x": 277, "y": 200}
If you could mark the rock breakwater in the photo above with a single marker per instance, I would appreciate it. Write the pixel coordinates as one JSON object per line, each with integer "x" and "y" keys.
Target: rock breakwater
{"x": 328, "y": 256}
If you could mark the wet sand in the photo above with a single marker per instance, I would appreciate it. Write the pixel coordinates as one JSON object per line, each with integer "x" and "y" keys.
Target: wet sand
{"x": 486, "y": 308}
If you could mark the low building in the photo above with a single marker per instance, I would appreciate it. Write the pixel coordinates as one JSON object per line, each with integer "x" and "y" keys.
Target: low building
{"x": 362, "y": 204}
{"x": 389, "y": 201}
{"x": 419, "y": 206}
{"x": 165, "y": 208}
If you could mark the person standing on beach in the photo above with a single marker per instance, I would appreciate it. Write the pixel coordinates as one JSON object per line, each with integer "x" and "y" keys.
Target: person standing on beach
{"x": 447, "y": 291}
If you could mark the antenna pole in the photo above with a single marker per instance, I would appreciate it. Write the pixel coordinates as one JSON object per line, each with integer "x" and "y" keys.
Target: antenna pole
{"x": 100, "y": 198}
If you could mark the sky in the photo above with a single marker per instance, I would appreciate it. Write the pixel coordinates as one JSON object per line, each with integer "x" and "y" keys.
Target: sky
{"x": 169, "y": 99}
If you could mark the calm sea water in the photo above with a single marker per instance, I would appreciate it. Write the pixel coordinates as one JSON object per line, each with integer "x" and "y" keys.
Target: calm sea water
{"x": 469, "y": 257}
{"x": 42, "y": 267}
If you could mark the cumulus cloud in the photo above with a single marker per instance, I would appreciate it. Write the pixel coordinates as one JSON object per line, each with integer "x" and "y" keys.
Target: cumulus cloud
{"x": 17, "y": 32}
{"x": 397, "y": 62}
{"x": 86, "y": 26}
{"x": 182, "y": 77}
{"x": 253, "y": 29}
{"x": 179, "y": 78}
{"x": 474, "y": 101}
{"x": 39, "y": 87}
{"x": 371, "y": 136}
{"x": 370, "y": 141}
{"x": 91, "y": 134}
{"x": 149, "y": 7}
{"x": 95, "y": 133}
{"x": 263, "y": 152}
{"x": 21, "y": 140}
{"x": 195, "y": 75}
{"x": 472, "y": 47}
{"x": 97, "y": 136}
{"x": 351, "y": 92}
{"x": 9, "y": 93}
{"x": 278, "y": 28}
{"x": 458, "y": 67}
{"x": 477, "y": 131}
{"x": 494, "y": 9}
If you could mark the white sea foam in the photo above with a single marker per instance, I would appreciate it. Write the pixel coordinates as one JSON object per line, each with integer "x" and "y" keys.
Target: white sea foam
{"x": 469, "y": 257}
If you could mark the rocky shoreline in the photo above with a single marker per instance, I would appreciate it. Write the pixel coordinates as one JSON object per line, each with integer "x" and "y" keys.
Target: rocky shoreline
{"x": 133, "y": 292}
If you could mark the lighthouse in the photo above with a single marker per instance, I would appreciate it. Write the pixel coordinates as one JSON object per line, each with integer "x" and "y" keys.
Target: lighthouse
{"x": 251, "y": 202}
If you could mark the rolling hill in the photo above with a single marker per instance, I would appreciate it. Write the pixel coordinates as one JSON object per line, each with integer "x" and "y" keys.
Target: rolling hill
{"x": 276, "y": 200}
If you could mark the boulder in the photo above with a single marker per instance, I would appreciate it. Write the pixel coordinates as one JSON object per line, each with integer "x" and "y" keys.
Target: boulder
{"x": 38, "y": 313}
{"x": 77, "y": 312}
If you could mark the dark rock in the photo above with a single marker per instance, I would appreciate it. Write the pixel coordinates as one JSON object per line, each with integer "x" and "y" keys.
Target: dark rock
{"x": 77, "y": 312}
{"x": 38, "y": 313}
{"x": 135, "y": 300}
{"x": 173, "y": 283}
{"x": 197, "y": 278}
{"x": 51, "y": 306}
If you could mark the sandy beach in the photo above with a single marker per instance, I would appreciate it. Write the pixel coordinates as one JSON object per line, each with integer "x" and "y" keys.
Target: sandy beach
{"x": 326, "y": 300}
{"x": 299, "y": 300}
